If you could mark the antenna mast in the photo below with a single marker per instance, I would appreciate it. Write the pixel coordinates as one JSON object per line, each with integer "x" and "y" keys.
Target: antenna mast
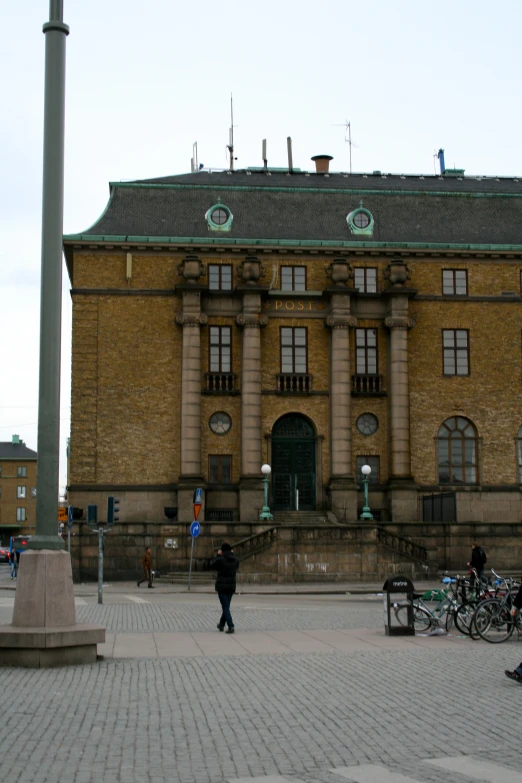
{"x": 230, "y": 146}
{"x": 347, "y": 129}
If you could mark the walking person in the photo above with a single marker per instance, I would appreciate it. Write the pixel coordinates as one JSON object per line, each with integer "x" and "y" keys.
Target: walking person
{"x": 517, "y": 673}
{"x": 226, "y": 565}
{"x": 146, "y": 562}
{"x": 478, "y": 561}
{"x": 15, "y": 559}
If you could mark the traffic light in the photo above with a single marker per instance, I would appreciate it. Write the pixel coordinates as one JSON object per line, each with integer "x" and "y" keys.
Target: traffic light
{"x": 113, "y": 509}
{"x": 92, "y": 514}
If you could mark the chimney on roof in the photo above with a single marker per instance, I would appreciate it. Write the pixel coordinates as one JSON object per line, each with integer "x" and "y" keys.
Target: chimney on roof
{"x": 15, "y": 439}
{"x": 440, "y": 155}
{"x": 322, "y": 163}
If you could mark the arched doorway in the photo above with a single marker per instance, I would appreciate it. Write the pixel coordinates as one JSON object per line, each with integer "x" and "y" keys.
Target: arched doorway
{"x": 293, "y": 463}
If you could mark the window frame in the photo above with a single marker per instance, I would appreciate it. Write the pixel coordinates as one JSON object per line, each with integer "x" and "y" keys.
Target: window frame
{"x": 452, "y": 465}
{"x": 453, "y": 282}
{"x": 21, "y": 515}
{"x": 21, "y": 492}
{"x": 220, "y": 345}
{"x": 456, "y": 352}
{"x": 21, "y": 471}
{"x": 219, "y": 458}
{"x": 220, "y": 286}
{"x": 358, "y": 466}
{"x": 293, "y": 346}
{"x": 365, "y": 269}
{"x": 519, "y": 455}
{"x": 365, "y": 352}
{"x": 293, "y": 269}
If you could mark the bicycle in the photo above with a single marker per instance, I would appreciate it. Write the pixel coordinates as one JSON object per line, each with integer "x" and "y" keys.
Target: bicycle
{"x": 426, "y": 619}
{"x": 492, "y": 618}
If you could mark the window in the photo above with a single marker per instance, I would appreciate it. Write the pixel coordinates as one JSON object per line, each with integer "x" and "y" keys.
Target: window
{"x": 457, "y": 452}
{"x": 367, "y": 424}
{"x": 219, "y": 468}
{"x": 366, "y": 280}
{"x": 20, "y": 514}
{"x": 361, "y": 219}
{"x": 293, "y": 278}
{"x": 220, "y": 349}
{"x": 373, "y": 462}
{"x": 454, "y": 282}
{"x": 20, "y": 492}
{"x": 293, "y": 349}
{"x": 219, "y": 217}
{"x": 455, "y": 351}
{"x": 21, "y": 472}
{"x": 220, "y": 277}
{"x": 366, "y": 351}
{"x": 220, "y": 423}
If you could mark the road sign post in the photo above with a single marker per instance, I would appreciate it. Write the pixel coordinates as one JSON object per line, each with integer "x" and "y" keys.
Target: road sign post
{"x": 195, "y": 530}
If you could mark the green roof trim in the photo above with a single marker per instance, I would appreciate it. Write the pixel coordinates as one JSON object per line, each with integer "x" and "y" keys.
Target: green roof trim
{"x": 345, "y": 191}
{"x": 142, "y": 240}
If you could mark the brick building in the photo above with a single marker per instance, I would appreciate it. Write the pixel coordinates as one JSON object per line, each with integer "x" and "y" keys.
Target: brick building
{"x": 17, "y": 489}
{"x": 316, "y": 321}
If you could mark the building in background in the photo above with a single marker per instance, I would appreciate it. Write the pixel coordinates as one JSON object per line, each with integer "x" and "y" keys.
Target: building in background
{"x": 317, "y": 321}
{"x": 18, "y": 466}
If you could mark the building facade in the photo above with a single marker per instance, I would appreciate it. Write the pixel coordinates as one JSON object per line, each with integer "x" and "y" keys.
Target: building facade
{"x": 17, "y": 489}
{"x": 314, "y": 321}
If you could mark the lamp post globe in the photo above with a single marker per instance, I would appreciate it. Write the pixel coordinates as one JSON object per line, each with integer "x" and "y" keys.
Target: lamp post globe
{"x": 265, "y": 511}
{"x": 366, "y": 513}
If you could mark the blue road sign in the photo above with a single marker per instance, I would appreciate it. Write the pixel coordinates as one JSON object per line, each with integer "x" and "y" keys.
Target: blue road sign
{"x": 69, "y": 517}
{"x": 195, "y": 529}
{"x": 198, "y": 495}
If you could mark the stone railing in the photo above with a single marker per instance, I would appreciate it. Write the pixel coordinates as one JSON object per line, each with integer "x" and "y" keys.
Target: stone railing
{"x": 220, "y": 381}
{"x": 367, "y": 384}
{"x": 256, "y": 543}
{"x": 403, "y": 546}
{"x": 294, "y": 383}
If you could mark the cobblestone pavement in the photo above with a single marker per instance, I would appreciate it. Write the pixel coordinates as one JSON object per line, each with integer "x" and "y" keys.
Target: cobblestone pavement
{"x": 263, "y": 718}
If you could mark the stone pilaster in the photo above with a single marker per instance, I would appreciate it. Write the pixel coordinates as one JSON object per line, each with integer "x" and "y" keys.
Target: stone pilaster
{"x": 342, "y": 487}
{"x": 251, "y": 487}
{"x": 191, "y": 319}
{"x": 403, "y": 494}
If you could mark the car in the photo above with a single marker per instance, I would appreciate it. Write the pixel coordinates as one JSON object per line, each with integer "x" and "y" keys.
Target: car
{"x": 4, "y": 554}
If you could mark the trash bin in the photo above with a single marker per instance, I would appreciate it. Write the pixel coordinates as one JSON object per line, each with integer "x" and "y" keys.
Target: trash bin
{"x": 398, "y": 606}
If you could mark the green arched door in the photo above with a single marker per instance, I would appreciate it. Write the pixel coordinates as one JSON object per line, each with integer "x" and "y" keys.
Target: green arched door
{"x": 293, "y": 463}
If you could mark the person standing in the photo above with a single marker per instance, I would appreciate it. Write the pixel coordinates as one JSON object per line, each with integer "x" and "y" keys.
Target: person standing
{"x": 478, "y": 560}
{"x": 226, "y": 565}
{"x": 15, "y": 559}
{"x": 146, "y": 562}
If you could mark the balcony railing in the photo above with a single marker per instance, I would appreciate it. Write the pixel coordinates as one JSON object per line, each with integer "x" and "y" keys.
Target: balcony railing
{"x": 220, "y": 381}
{"x": 367, "y": 384}
{"x": 222, "y": 515}
{"x": 296, "y": 383}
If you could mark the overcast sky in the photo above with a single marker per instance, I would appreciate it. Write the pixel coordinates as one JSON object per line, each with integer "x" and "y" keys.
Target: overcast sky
{"x": 145, "y": 80}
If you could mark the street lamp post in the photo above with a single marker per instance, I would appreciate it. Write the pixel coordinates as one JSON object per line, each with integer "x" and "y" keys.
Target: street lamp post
{"x": 265, "y": 511}
{"x": 366, "y": 513}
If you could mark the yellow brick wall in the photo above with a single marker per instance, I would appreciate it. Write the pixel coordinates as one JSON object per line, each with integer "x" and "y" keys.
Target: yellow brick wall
{"x": 9, "y": 502}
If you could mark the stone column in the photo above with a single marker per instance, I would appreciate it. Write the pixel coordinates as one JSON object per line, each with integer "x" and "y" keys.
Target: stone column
{"x": 402, "y": 488}
{"x": 342, "y": 488}
{"x": 191, "y": 319}
{"x": 251, "y": 487}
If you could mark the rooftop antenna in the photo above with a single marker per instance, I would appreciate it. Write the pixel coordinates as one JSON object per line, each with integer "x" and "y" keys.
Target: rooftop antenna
{"x": 289, "y": 148}
{"x": 263, "y": 153}
{"x": 194, "y": 166}
{"x": 347, "y": 136}
{"x": 230, "y": 145}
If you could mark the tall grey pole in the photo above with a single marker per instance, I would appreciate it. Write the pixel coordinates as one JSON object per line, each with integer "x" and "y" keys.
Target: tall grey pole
{"x": 51, "y": 283}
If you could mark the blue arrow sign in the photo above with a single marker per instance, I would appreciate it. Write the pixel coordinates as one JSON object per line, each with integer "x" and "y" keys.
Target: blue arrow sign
{"x": 198, "y": 495}
{"x": 195, "y": 529}
{"x": 70, "y": 517}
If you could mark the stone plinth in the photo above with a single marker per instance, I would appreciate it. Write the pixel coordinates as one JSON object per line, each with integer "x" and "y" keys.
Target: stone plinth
{"x": 44, "y": 632}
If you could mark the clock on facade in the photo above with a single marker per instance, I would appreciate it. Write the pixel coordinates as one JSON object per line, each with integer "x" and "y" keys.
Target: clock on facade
{"x": 220, "y": 423}
{"x": 367, "y": 424}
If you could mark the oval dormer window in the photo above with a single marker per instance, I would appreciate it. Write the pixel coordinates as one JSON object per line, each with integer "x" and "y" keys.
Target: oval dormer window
{"x": 360, "y": 221}
{"x": 219, "y": 217}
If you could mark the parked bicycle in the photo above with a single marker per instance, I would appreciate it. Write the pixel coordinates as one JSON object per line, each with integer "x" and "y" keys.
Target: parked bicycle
{"x": 492, "y": 619}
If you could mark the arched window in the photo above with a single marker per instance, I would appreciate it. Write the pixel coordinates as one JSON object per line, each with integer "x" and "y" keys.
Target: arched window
{"x": 519, "y": 455}
{"x": 457, "y": 452}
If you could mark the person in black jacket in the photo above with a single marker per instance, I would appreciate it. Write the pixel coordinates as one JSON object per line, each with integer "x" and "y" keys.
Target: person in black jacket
{"x": 517, "y": 673}
{"x": 478, "y": 560}
{"x": 226, "y": 565}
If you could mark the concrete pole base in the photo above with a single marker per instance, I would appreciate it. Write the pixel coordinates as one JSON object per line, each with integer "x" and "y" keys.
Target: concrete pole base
{"x": 44, "y": 631}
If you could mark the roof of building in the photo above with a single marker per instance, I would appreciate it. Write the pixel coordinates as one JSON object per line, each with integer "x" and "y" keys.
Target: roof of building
{"x": 279, "y": 206}
{"x": 16, "y": 451}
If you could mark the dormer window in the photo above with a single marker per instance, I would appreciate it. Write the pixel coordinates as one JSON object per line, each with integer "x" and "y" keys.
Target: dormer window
{"x": 360, "y": 221}
{"x": 219, "y": 217}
